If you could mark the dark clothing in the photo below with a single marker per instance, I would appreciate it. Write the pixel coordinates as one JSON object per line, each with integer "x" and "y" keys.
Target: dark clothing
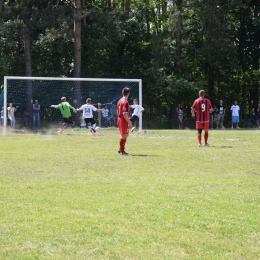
{"x": 89, "y": 120}
{"x": 134, "y": 119}
{"x": 220, "y": 109}
{"x": 68, "y": 120}
{"x": 257, "y": 110}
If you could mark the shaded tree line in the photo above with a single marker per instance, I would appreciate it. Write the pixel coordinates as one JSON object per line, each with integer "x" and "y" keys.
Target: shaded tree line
{"x": 176, "y": 47}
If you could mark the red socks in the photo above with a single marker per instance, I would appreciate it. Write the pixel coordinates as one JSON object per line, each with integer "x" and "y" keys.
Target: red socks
{"x": 122, "y": 145}
{"x": 206, "y": 135}
{"x": 199, "y": 138}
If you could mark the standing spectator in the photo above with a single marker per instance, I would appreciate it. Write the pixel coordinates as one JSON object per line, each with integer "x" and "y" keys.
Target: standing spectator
{"x": 136, "y": 114}
{"x": 105, "y": 115}
{"x": 202, "y": 106}
{"x": 65, "y": 108}
{"x": 113, "y": 113}
{"x": 88, "y": 114}
{"x": 221, "y": 114}
{"x": 11, "y": 116}
{"x": 36, "y": 113}
{"x": 211, "y": 118}
{"x": 256, "y": 114}
{"x": 180, "y": 117}
{"x": 123, "y": 120}
{"x": 81, "y": 120}
{"x": 2, "y": 116}
{"x": 235, "y": 114}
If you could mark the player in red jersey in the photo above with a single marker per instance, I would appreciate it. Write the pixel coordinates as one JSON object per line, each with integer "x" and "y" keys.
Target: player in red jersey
{"x": 123, "y": 120}
{"x": 202, "y": 106}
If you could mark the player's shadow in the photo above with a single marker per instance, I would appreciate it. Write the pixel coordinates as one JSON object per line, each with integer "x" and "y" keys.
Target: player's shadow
{"x": 222, "y": 146}
{"x": 144, "y": 155}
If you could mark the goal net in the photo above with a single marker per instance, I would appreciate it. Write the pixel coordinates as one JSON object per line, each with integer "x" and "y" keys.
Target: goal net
{"x": 104, "y": 93}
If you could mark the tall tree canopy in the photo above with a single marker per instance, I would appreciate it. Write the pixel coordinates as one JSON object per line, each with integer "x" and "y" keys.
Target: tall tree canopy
{"x": 176, "y": 47}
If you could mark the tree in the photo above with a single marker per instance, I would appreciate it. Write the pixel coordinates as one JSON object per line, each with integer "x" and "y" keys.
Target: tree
{"x": 77, "y": 51}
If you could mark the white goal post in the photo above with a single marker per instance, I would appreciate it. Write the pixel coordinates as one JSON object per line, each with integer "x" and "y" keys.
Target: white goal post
{"x": 22, "y": 91}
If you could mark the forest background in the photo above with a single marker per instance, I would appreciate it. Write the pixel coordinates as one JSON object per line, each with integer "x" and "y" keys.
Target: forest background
{"x": 176, "y": 47}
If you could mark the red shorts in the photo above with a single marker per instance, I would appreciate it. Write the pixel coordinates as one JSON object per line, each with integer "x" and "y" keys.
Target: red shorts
{"x": 204, "y": 126}
{"x": 123, "y": 126}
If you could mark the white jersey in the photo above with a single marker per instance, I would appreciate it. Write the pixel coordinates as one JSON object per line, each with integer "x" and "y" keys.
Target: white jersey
{"x": 88, "y": 110}
{"x": 137, "y": 110}
{"x": 11, "y": 111}
{"x": 235, "y": 110}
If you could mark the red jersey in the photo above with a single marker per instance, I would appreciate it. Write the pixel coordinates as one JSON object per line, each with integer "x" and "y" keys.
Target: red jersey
{"x": 123, "y": 107}
{"x": 202, "y": 106}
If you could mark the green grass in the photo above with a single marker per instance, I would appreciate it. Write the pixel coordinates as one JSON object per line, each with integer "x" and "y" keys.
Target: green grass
{"x": 74, "y": 197}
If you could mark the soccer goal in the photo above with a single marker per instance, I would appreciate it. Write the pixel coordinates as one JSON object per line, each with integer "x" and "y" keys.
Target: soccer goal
{"x": 104, "y": 93}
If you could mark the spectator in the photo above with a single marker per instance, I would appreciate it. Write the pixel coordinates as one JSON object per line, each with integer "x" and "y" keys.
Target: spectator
{"x": 221, "y": 114}
{"x": 113, "y": 113}
{"x": 256, "y": 114}
{"x": 211, "y": 118}
{"x": 180, "y": 117}
{"x": 235, "y": 114}
{"x": 105, "y": 115}
{"x": 81, "y": 120}
{"x": 2, "y": 116}
{"x": 36, "y": 113}
{"x": 11, "y": 116}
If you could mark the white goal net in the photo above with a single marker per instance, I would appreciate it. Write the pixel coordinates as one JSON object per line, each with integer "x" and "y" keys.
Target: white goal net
{"x": 23, "y": 91}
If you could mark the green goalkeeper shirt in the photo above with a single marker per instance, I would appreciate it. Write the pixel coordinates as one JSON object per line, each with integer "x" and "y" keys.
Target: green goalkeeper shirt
{"x": 64, "y": 109}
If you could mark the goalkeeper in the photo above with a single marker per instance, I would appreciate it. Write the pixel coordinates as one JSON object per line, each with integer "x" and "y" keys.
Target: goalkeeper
{"x": 65, "y": 108}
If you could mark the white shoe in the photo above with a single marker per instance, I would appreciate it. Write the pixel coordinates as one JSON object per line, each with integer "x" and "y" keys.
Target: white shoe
{"x": 223, "y": 127}
{"x": 200, "y": 145}
{"x": 217, "y": 128}
{"x": 207, "y": 144}
{"x": 238, "y": 127}
{"x": 133, "y": 128}
{"x": 231, "y": 127}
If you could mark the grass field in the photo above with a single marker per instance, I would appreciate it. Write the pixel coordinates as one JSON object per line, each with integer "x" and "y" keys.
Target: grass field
{"x": 74, "y": 197}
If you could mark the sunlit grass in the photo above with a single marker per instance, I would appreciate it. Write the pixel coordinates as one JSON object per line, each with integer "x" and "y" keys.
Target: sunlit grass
{"x": 74, "y": 197}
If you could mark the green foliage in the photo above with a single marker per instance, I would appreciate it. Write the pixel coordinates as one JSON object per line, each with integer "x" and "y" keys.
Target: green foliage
{"x": 175, "y": 47}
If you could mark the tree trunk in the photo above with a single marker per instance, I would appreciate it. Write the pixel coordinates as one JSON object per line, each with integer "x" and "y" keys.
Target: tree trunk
{"x": 209, "y": 73}
{"x": 77, "y": 53}
{"x": 28, "y": 67}
{"x": 109, "y": 3}
{"x": 1, "y": 10}
{"x": 179, "y": 31}
{"x": 255, "y": 57}
{"x": 128, "y": 6}
{"x": 77, "y": 40}
{"x": 83, "y": 8}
